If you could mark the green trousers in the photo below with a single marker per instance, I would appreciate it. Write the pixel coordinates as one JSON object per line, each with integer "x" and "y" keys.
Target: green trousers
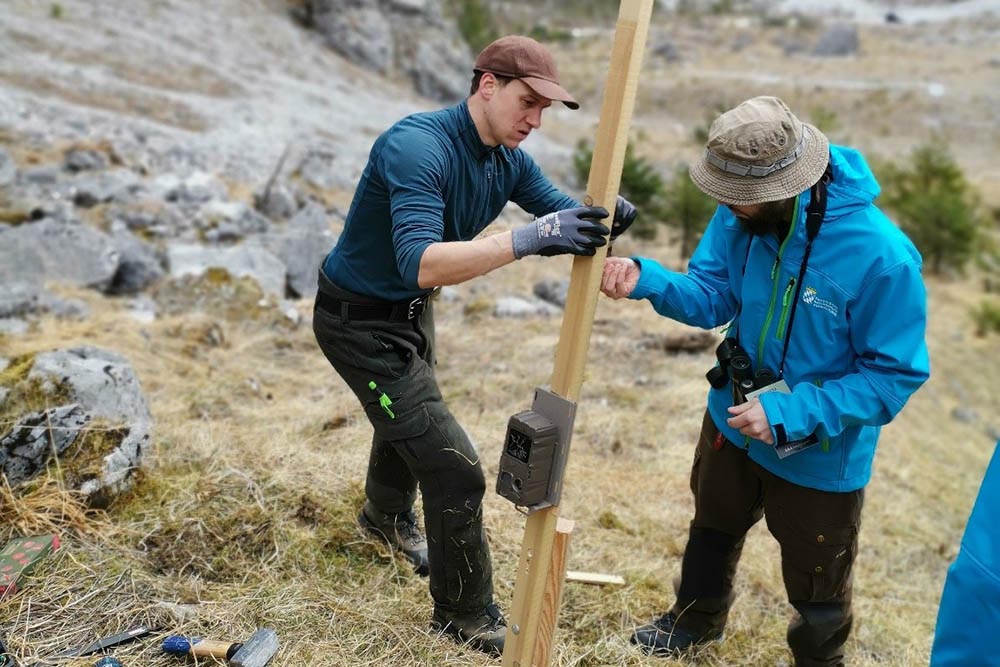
{"x": 419, "y": 445}
{"x": 817, "y": 531}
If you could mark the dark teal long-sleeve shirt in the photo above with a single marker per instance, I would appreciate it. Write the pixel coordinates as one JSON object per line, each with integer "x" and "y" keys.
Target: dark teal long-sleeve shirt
{"x": 429, "y": 178}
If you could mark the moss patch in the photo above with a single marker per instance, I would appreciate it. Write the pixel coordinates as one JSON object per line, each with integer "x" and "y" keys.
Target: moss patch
{"x": 28, "y": 394}
{"x": 17, "y": 369}
{"x": 215, "y": 291}
{"x": 84, "y": 460}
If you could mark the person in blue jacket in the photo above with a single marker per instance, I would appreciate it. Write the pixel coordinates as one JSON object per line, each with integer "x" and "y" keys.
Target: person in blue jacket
{"x": 433, "y": 182}
{"x": 968, "y": 623}
{"x": 827, "y": 312}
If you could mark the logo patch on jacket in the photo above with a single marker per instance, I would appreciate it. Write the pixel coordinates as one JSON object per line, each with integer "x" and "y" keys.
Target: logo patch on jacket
{"x": 811, "y": 297}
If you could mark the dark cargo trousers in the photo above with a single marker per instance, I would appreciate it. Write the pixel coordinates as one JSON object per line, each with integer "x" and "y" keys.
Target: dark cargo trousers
{"x": 817, "y": 531}
{"x": 421, "y": 445}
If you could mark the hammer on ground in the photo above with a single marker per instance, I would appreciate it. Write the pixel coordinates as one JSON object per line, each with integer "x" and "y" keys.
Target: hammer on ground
{"x": 254, "y": 652}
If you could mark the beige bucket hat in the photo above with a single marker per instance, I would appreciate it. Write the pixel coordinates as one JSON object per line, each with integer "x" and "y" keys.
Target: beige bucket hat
{"x": 760, "y": 152}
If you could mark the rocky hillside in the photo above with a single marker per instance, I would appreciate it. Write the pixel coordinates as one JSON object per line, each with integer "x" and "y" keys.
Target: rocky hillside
{"x": 171, "y": 173}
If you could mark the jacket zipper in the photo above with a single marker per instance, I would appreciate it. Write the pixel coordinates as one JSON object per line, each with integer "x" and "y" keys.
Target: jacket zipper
{"x": 774, "y": 285}
{"x": 786, "y": 301}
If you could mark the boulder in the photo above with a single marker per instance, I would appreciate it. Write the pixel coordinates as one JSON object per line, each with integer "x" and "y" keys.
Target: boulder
{"x": 405, "y": 36}
{"x": 249, "y": 259}
{"x": 92, "y": 188}
{"x": 139, "y": 266}
{"x": 302, "y": 245}
{"x": 513, "y": 306}
{"x": 65, "y": 252}
{"x": 552, "y": 291}
{"x": 101, "y": 426}
{"x": 839, "y": 40}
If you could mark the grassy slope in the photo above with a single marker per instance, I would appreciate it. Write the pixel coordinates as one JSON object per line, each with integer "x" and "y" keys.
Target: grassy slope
{"x": 247, "y": 513}
{"x": 260, "y": 455}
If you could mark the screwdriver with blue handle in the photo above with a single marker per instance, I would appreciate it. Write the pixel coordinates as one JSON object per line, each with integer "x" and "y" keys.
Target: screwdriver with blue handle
{"x": 202, "y": 648}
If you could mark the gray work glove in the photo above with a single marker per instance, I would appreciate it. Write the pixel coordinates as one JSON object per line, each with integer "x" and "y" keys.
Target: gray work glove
{"x": 574, "y": 230}
{"x": 625, "y": 215}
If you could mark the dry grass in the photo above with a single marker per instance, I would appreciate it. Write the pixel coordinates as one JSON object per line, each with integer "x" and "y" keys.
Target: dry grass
{"x": 247, "y": 514}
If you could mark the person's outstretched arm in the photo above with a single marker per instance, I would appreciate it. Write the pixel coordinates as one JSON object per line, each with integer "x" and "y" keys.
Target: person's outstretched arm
{"x": 576, "y": 231}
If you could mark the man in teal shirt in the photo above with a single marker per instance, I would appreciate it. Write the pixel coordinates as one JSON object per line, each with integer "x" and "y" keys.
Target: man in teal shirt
{"x": 433, "y": 182}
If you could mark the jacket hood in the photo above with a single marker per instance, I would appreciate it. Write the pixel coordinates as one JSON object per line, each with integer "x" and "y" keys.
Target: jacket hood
{"x": 854, "y": 185}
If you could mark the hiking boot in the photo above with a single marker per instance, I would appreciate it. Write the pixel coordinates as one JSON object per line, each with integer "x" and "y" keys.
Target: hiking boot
{"x": 484, "y": 630}
{"x": 400, "y": 531}
{"x": 663, "y": 637}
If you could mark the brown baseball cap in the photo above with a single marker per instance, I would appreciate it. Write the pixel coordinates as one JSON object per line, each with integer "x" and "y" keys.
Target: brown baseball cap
{"x": 523, "y": 58}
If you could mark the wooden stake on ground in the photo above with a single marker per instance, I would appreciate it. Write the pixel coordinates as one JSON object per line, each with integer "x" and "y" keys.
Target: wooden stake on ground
{"x": 595, "y": 578}
{"x": 541, "y": 569}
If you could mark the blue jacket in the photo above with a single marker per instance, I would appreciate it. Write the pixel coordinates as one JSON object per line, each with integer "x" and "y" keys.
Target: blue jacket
{"x": 969, "y": 616}
{"x": 429, "y": 178}
{"x": 856, "y": 351}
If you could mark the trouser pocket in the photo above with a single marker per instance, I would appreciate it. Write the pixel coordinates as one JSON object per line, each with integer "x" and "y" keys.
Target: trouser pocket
{"x": 817, "y": 563}
{"x": 818, "y": 534}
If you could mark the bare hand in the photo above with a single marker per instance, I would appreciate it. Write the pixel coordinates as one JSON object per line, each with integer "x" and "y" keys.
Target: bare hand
{"x": 750, "y": 419}
{"x": 620, "y": 277}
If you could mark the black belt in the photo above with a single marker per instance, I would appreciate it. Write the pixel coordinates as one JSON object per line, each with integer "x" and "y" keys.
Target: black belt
{"x": 400, "y": 311}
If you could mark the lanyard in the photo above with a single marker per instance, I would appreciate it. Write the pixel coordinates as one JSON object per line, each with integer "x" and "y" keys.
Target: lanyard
{"x": 814, "y": 219}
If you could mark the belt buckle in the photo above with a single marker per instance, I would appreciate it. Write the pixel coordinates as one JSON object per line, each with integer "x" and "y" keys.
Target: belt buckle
{"x": 416, "y": 307}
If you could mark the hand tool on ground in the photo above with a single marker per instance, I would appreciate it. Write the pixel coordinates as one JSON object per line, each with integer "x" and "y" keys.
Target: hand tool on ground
{"x": 254, "y": 652}
{"x": 107, "y": 642}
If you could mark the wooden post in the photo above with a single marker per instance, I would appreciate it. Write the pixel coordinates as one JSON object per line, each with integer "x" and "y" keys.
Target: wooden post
{"x": 535, "y": 610}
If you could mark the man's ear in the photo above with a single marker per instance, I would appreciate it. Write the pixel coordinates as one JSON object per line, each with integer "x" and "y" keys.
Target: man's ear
{"x": 488, "y": 85}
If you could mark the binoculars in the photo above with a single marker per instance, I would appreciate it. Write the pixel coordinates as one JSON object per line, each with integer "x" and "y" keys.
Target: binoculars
{"x": 734, "y": 365}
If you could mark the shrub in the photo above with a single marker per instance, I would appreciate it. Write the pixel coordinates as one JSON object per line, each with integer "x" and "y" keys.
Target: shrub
{"x": 987, "y": 318}
{"x": 641, "y": 184}
{"x": 475, "y": 22}
{"x": 678, "y": 204}
{"x": 687, "y": 209}
{"x": 935, "y": 205}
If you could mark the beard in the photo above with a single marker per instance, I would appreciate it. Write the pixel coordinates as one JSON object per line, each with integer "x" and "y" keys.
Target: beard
{"x": 772, "y": 218}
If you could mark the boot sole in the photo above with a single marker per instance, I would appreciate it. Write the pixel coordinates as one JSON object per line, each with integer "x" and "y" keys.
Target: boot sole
{"x": 420, "y": 565}
{"x": 454, "y": 634}
{"x": 662, "y": 652}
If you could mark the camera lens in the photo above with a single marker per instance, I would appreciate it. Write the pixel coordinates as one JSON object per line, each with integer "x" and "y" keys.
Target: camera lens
{"x": 717, "y": 377}
{"x": 727, "y": 348}
{"x": 740, "y": 366}
{"x": 764, "y": 378}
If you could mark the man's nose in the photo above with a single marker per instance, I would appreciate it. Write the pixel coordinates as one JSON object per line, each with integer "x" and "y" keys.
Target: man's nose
{"x": 535, "y": 118}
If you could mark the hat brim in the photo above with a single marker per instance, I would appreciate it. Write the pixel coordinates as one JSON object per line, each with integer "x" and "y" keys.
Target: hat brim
{"x": 550, "y": 90}
{"x": 782, "y": 184}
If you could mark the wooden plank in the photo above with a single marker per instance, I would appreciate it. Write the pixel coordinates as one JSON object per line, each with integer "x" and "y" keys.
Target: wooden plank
{"x": 528, "y": 642}
{"x": 602, "y": 189}
{"x": 552, "y": 596}
{"x": 595, "y": 578}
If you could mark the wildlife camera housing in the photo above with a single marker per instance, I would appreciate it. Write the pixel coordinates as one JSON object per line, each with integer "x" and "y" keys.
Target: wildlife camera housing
{"x": 535, "y": 450}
